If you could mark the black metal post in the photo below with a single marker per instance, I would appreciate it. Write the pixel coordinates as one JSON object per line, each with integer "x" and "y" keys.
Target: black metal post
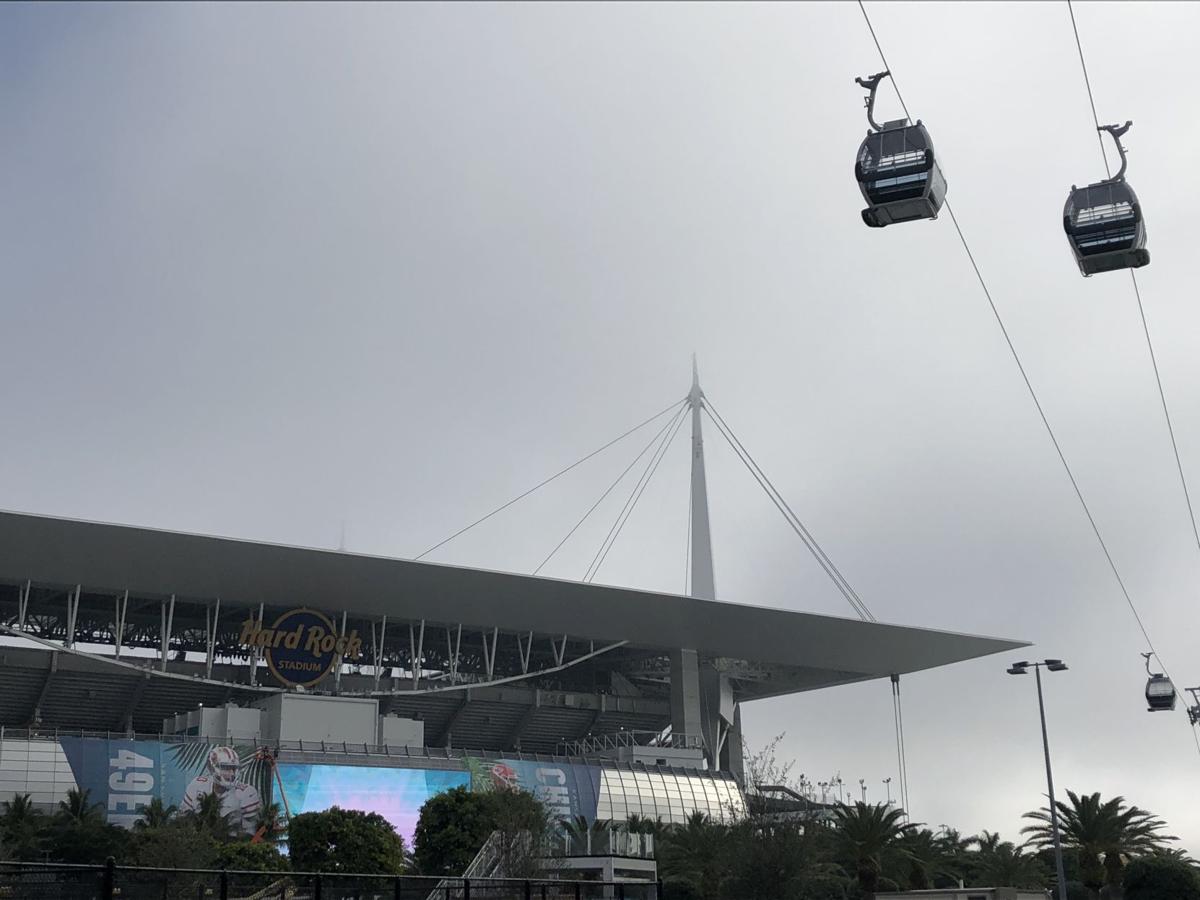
{"x": 658, "y": 890}
{"x": 224, "y": 885}
{"x": 317, "y": 886}
{"x": 620, "y": 890}
{"x": 528, "y": 891}
{"x": 578, "y": 891}
{"x": 396, "y": 887}
{"x": 109, "y": 879}
{"x": 1058, "y": 856}
{"x": 466, "y": 889}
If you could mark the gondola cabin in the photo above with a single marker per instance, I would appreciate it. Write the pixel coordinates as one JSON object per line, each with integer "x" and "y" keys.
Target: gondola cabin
{"x": 1103, "y": 221}
{"x": 1160, "y": 694}
{"x": 1104, "y": 224}
{"x": 898, "y": 175}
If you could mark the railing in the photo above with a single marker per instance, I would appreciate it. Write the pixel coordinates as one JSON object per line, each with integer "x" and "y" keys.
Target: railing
{"x": 39, "y": 881}
{"x": 599, "y": 744}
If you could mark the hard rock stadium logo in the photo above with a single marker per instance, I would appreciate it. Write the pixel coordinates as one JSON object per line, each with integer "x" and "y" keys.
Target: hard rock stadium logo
{"x": 302, "y": 647}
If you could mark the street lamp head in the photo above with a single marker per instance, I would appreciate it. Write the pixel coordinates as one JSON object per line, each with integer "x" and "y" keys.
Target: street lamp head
{"x": 1020, "y": 668}
{"x": 1056, "y": 665}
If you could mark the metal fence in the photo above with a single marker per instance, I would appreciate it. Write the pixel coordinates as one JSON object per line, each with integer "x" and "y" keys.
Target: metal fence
{"x": 38, "y": 881}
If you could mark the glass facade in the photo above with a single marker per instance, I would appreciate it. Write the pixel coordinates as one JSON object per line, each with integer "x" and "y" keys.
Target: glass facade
{"x": 666, "y": 794}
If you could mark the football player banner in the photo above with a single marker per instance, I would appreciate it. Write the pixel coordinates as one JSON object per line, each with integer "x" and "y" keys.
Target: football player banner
{"x": 123, "y": 776}
{"x": 567, "y": 790}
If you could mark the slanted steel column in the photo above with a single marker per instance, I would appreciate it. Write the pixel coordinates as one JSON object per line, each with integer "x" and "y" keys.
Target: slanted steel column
{"x": 337, "y": 665}
{"x": 122, "y": 610}
{"x": 416, "y": 650}
{"x": 72, "y": 615}
{"x": 254, "y": 650}
{"x": 210, "y": 636}
{"x": 23, "y": 604}
{"x": 167, "y": 613}
{"x": 377, "y": 649}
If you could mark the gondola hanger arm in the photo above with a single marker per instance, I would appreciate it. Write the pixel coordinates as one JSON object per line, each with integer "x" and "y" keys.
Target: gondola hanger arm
{"x": 871, "y": 83}
{"x": 1116, "y": 131}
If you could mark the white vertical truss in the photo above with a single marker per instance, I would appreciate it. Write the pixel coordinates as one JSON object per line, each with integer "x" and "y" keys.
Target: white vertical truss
{"x": 703, "y": 582}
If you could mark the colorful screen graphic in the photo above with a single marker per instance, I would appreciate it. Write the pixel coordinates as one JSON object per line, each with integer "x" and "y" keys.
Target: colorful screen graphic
{"x": 396, "y": 794}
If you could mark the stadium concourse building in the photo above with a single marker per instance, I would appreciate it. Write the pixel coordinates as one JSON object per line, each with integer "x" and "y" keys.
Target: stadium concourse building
{"x": 141, "y": 663}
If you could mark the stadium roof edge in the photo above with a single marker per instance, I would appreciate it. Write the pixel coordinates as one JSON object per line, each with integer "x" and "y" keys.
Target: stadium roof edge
{"x": 158, "y": 562}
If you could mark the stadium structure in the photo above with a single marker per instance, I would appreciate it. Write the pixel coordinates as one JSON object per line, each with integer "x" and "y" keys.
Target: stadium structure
{"x": 376, "y": 682}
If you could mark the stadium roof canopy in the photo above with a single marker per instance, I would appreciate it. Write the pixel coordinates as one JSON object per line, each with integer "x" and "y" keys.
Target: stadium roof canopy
{"x": 153, "y": 565}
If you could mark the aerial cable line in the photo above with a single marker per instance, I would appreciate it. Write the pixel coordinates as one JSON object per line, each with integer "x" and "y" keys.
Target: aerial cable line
{"x": 822, "y": 558}
{"x": 1025, "y": 377}
{"x": 607, "y": 491}
{"x": 627, "y": 510}
{"x": 542, "y": 484}
{"x": 1137, "y": 293}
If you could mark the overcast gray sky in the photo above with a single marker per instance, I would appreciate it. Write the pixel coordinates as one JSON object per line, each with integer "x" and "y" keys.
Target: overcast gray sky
{"x": 266, "y": 268}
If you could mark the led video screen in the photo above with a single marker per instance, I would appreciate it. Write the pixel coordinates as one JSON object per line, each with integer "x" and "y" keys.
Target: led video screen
{"x": 396, "y": 794}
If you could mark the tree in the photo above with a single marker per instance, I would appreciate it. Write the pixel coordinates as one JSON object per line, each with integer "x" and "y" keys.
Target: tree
{"x": 78, "y": 832}
{"x": 451, "y": 829}
{"x": 154, "y": 815}
{"x": 207, "y": 818}
{"x": 345, "y": 840}
{"x": 1002, "y": 864}
{"x": 1161, "y": 877}
{"x": 173, "y": 845}
{"x": 21, "y": 828}
{"x": 921, "y": 858}
{"x": 1103, "y": 833}
{"x": 693, "y": 854}
{"x": 863, "y": 834}
{"x": 269, "y": 827}
{"x": 248, "y": 857}
{"x": 772, "y": 860}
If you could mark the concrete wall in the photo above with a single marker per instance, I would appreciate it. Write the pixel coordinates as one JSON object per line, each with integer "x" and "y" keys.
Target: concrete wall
{"x": 37, "y": 768}
{"x": 399, "y": 732}
{"x": 306, "y": 717}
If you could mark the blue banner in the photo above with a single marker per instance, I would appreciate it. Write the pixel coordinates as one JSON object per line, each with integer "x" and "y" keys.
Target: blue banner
{"x": 123, "y": 776}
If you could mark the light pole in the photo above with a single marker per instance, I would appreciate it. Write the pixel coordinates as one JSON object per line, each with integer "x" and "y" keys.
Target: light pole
{"x": 1053, "y": 665}
{"x": 862, "y": 784}
{"x": 887, "y": 783}
{"x": 841, "y": 793}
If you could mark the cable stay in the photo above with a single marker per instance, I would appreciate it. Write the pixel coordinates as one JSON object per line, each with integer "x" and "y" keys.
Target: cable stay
{"x": 635, "y": 495}
{"x": 607, "y": 491}
{"x": 901, "y": 752}
{"x": 822, "y": 558}
{"x": 542, "y": 484}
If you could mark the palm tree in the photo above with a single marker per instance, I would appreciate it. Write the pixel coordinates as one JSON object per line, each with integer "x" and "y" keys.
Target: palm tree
{"x": 76, "y": 810}
{"x": 20, "y": 827}
{"x": 923, "y": 855}
{"x": 207, "y": 818}
{"x": 1006, "y": 865}
{"x": 863, "y": 834}
{"x": 1103, "y": 833}
{"x": 692, "y": 853}
{"x": 269, "y": 827}
{"x": 155, "y": 814}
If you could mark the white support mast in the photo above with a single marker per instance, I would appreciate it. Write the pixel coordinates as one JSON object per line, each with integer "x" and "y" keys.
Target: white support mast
{"x": 703, "y": 584}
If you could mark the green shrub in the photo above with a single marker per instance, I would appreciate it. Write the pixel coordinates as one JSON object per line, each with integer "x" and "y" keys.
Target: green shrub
{"x": 1160, "y": 878}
